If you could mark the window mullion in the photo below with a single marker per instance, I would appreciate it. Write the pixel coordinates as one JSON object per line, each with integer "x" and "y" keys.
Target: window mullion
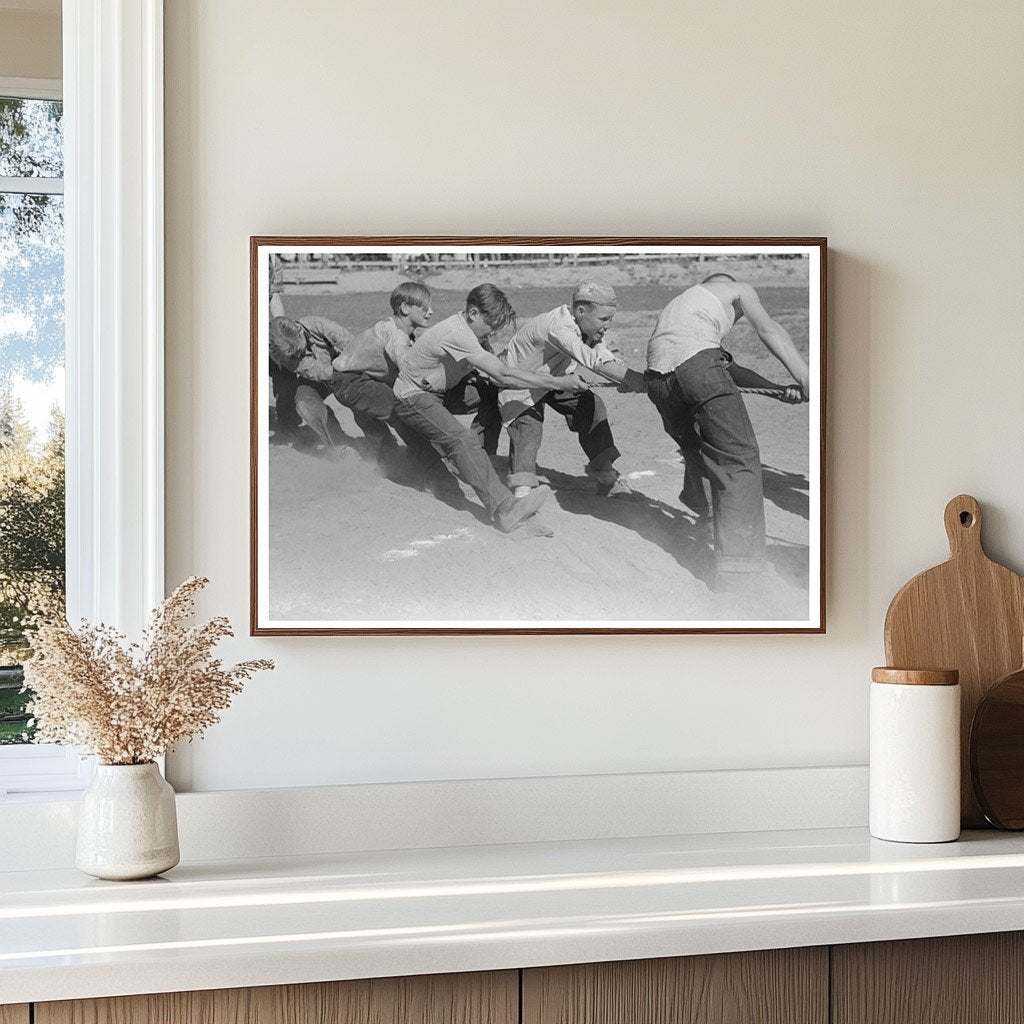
{"x": 32, "y": 186}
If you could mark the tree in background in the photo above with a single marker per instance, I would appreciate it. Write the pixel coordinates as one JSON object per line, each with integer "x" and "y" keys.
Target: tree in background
{"x": 31, "y": 523}
{"x": 32, "y": 571}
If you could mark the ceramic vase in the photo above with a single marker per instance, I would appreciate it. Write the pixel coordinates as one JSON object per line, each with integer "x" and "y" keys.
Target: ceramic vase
{"x": 127, "y": 825}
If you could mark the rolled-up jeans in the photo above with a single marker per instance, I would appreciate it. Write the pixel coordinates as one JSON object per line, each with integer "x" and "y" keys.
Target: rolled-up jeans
{"x": 426, "y": 413}
{"x": 703, "y": 411}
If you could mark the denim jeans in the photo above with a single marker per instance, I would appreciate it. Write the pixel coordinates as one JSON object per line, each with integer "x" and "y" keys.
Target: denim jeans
{"x": 284, "y": 384}
{"x": 372, "y": 403}
{"x": 480, "y": 396}
{"x": 585, "y": 416}
{"x": 427, "y": 414}
{"x": 703, "y": 411}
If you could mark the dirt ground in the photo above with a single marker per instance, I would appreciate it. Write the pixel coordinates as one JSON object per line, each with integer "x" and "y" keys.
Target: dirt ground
{"x": 346, "y": 544}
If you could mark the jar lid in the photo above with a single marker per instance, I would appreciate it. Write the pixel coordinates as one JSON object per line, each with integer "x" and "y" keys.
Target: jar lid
{"x": 916, "y": 676}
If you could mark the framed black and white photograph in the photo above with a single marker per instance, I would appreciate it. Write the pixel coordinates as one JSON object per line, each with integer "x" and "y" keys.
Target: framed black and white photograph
{"x": 537, "y": 435}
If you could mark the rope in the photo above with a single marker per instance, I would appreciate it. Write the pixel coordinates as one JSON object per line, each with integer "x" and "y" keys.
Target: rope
{"x": 772, "y": 392}
{"x": 776, "y": 392}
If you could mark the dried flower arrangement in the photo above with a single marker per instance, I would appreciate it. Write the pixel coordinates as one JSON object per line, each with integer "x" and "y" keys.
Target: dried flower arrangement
{"x": 129, "y": 704}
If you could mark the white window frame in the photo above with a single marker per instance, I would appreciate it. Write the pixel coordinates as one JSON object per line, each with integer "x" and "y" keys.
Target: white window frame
{"x": 114, "y": 347}
{"x": 37, "y": 767}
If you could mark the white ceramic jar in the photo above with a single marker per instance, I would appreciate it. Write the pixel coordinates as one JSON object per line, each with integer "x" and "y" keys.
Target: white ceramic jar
{"x": 915, "y": 755}
{"x": 127, "y": 823}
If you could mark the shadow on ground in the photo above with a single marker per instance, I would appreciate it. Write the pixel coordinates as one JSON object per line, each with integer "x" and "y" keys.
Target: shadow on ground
{"x": 680, "y": 534}
{"x": 400, "y": 470}
{"x": 789, "y": 491}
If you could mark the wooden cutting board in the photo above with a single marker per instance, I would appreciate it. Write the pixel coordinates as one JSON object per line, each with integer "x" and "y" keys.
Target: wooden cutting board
{"x": 967, "y": 614}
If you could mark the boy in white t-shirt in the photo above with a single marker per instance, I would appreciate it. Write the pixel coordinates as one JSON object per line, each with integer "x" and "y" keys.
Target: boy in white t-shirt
{"x": 438, "y": 360}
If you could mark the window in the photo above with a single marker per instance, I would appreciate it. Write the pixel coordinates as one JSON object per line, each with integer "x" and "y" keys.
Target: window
{"x": 32, "y": 546}
{"x": 113, "y": 331}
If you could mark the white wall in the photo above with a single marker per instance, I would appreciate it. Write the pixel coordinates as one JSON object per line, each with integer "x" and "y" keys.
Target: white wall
{"x": 30, "y": 41}
{"x": 894, "y": 129}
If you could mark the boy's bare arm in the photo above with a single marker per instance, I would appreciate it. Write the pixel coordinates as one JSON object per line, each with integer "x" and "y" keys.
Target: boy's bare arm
{"x": 512, "y": 377}
{"x": 775, "y": 337}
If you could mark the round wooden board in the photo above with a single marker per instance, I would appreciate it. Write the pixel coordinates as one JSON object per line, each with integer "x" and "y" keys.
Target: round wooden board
{"x": 997, "y": 752}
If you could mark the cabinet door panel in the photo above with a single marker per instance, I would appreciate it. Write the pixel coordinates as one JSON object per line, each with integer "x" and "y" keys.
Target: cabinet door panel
{"x": 483, "y": 998}
{"x": 14, "y": 1014}
{"x": 959, "y": 979}
{"x": 778, "y": 986}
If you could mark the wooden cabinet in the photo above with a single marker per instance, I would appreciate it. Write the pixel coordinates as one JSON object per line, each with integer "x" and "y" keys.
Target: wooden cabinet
{"x": 777, "y": 986}
{"x": 491, "y": 998}
{"x": 961, "y": 979}
{"x": 967, "y": 979}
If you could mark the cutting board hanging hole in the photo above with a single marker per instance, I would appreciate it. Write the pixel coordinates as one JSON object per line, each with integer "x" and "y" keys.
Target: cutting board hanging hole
{"x": 963, "y": 526}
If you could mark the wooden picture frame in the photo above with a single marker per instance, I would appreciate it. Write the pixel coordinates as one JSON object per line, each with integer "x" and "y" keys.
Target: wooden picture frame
{"x": 345, "y": 537}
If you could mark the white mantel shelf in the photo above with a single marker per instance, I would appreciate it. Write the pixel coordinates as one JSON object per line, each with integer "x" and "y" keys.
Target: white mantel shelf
{"x": 224, "y": 924}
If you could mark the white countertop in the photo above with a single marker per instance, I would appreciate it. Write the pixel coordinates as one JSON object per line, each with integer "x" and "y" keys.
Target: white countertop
{"x": 224, "y": 924}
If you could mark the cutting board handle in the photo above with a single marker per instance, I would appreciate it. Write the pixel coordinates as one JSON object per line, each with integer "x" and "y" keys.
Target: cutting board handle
{"x": 963, "y": 526}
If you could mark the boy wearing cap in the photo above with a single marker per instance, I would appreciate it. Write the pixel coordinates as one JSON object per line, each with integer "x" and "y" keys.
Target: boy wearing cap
{"x": 438, "y": 360}
{"x": 557, "y": 342}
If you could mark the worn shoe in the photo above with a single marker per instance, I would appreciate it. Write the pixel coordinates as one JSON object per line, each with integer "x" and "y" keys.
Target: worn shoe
{"x": 619, "y": 489}
{"x": 534, "y": 526}
{"x": 605, "y": 476}
{"x": 516, "y": 511}
{"x": 611, "y": 485}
